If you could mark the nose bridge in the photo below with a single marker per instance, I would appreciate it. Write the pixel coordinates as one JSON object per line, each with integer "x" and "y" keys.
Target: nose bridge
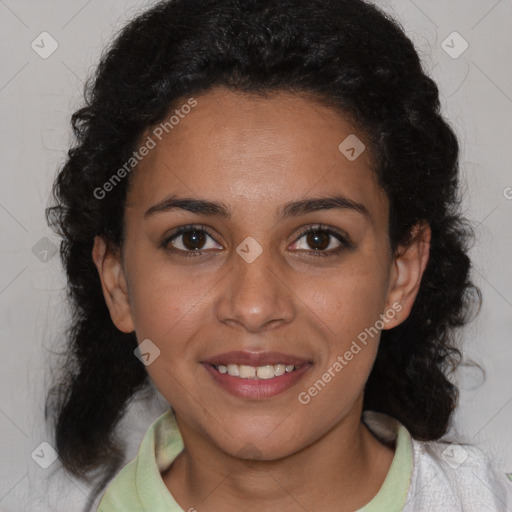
{"x": 255, "y": 295}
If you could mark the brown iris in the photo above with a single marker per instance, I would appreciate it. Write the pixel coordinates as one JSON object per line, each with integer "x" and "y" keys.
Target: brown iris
{"x": 193, "y": 238}
{"x": 318, "y": 240}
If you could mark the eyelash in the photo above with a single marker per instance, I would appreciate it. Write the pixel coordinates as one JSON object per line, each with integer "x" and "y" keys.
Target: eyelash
{"x": 343, "y": 239}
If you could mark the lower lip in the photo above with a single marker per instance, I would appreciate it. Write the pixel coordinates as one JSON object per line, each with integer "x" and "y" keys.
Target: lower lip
{"x": 257, "y": 388}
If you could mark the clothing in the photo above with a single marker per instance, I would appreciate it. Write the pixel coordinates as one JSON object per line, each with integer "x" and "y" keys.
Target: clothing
{"x": 423, "y": 476}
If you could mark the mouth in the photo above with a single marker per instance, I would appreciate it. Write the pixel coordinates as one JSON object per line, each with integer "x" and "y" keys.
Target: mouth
{"x": 256, "y": 375}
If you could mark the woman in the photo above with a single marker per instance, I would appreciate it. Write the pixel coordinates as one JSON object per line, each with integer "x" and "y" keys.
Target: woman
{"x": 260, "y": 217}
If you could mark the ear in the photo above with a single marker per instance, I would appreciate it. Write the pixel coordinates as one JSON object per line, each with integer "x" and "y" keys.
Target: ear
{"x": 408, "y": 266}
{"x": 113, "y": 282}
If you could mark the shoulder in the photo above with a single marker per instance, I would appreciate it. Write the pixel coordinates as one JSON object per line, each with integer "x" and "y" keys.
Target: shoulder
{"x": 139, "y": 486}
{"x": 446, "y": 476}
{"x": 450, "y": 477}
{"x": 121, "y": 493}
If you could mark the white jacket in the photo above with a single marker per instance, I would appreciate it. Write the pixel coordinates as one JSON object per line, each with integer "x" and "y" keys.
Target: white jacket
{"x": 448, "y": 477}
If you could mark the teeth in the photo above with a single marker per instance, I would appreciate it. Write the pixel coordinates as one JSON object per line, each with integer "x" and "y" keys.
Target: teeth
{"x": 266, "y": 372}
{"x": 234, "y": 370}
{"x": 250, "y": 372}
{"x": 279, "y": 369}
{"x": 246, "y": 372}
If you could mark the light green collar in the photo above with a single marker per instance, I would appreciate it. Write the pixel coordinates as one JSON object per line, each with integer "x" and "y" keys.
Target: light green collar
{"x": 139, "y": 485}
{"x": 392, "y": 495}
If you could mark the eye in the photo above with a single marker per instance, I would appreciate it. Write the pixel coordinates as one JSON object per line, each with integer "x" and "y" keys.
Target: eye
{"x": 322, "y": 241}
{"x": 189, "y": 240}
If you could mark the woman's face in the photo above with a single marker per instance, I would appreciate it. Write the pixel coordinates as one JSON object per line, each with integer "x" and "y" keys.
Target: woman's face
{"x": 257, "y": 287}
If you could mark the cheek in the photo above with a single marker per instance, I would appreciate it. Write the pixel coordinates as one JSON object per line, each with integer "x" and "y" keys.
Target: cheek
{"x": 348, "y": 310}
{"x": 168, "y": 310}
{"x": 345, "y": 310}
{"x": 166, "y": 303}
{"x": 348, "y": 300}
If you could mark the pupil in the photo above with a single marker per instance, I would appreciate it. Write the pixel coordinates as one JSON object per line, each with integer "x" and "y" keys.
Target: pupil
{"x": 193, "y": 238}
{"x": 315, "y": 238}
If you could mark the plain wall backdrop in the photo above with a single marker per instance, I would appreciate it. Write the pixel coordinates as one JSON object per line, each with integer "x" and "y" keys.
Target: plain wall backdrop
{"x": 41, "y": 84}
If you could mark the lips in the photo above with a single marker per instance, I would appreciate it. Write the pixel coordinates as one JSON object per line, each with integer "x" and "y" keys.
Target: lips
{"x": 255, "y": 359}
{"x": 256, "y": 388}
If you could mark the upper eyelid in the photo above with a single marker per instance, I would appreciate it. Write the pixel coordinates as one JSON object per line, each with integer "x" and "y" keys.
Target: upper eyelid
{"x": 322, "y": 227}
{"x": 184, "y": 229}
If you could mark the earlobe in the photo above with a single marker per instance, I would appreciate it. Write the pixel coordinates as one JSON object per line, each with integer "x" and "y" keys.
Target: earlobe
{"x": 113, "y": 283}
{"x": 408, "y": 267}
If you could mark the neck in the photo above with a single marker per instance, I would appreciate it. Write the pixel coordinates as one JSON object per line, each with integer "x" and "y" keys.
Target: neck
{"x": 340, "y": 471}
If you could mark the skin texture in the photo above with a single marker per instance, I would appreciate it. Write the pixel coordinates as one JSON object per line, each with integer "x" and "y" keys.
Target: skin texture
{"x": 254, "y": 155}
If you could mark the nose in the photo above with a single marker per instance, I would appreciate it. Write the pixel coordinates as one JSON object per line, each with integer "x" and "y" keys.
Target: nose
{"x": 255, "y": 295}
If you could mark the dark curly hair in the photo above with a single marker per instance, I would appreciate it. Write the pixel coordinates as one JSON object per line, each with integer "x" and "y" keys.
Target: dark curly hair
{"x": 348, "y": 55}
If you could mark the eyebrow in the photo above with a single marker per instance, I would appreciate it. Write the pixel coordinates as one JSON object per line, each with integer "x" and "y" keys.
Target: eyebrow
{"x": 291, "y": 209}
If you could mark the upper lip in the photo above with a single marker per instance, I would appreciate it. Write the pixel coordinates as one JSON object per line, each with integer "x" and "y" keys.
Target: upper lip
{"x": 255, "y": 359}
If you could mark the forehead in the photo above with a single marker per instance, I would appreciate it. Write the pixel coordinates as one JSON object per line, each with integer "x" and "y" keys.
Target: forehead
{"x": 246, "y": 149}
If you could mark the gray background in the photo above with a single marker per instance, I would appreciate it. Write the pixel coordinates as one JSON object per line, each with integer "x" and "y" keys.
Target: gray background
{"x": 37, "y": 97}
